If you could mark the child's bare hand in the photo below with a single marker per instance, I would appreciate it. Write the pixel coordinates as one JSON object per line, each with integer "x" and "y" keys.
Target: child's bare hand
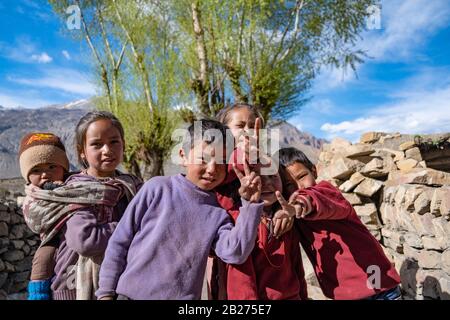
{"x": 284, "y": 218}
{"x": 250, "y": 188}
{"x": 282, "y": 223}
{"x": 301, "y": 209}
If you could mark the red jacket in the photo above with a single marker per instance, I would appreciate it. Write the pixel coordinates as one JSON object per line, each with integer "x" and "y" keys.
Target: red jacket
{"x": 342, "y": 250}
{"x": 273, "y": 271}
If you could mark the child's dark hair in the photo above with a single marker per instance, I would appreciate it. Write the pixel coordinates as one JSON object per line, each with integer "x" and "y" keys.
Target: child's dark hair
{"x": 193, "y": 136}
{"x": 83, "y": 124}
{"x": 288, "y": 156}
{"x": 224, "y": 114}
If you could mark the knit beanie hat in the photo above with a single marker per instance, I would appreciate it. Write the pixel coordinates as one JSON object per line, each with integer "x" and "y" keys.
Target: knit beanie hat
{"x": 39, "y": 148}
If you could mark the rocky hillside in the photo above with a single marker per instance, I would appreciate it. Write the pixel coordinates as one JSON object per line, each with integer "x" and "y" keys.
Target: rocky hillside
{"x": 15, "y": 123}
{"x": 61, "y": 120}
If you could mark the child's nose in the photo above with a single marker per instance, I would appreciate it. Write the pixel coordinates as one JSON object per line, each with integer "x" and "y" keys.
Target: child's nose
{"x": 211, "y": 167}
{"x": 106, "y": 149}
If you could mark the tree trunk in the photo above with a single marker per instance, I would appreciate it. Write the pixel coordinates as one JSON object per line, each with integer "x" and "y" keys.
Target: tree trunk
{"x": 146, "y": 169}
{"x": 201, "y": 84}
{"x": 153, "y": 166}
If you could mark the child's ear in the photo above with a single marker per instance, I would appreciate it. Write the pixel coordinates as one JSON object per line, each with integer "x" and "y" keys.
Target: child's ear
{"x": 314, "y": 172}
{"x": 184, "y": 159}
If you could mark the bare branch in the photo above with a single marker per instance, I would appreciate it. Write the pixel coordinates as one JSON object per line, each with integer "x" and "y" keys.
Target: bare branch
{"x": 104, "y": 72}
{"x": 137, "y": 57}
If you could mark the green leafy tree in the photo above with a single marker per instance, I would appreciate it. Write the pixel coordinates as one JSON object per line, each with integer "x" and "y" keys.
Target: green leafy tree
{"x": 153, "y": 58}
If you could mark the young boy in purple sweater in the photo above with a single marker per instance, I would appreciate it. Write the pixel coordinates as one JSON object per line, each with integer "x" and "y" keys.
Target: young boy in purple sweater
{"x": 160, "y": 247}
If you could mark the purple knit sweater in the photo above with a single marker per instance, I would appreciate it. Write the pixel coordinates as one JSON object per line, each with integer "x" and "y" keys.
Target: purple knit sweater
{"x": 160, "y": 246}
{"x": 84, "y": 235}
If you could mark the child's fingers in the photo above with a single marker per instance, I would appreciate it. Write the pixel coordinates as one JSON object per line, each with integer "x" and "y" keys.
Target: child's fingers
{"x": 277, "y": 227}
{"x": 256, "y": 133}
{"x": 284, "y": 224}
{"x": 281, "y": 200}
{"x": 293, "y": 197}
{"x": 251, "y": 177}
{"x": 238, "y": 173}
{"x": 246, "y": 168}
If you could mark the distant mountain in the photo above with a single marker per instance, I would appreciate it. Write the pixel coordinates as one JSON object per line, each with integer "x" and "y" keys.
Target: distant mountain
{"x": 62, "y": 119}
{"x": 15, "y": 123}
{"x": 290, "y": 136}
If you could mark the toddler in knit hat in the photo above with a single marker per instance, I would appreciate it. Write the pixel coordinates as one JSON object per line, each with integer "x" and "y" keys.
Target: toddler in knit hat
{"x": 44, "y": 164}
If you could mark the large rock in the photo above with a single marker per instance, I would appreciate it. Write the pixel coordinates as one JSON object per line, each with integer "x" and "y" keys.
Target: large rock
{"x": 446, "y": 261}
{"x": 353, "y": 198}
{"x": 440, "y": 202}
{"x": 343, "y": 168}
{"x": 411, "y": 252}
{"x": 18, "y": 231}
{"x": 5, "y": 216}
{"x": 413, "y": 240}
{"x": 375, "y": 169}
{"x": 367, "y": 213}
{"x": 423, "y": 224}
{"x": 358, "y": 150}
{"x": 13, "y": 255}
{"x": 389, "y": 195}
{"x": 3, "y": 229}
{"x": 411, "y": 195}
{"x": 429, "y": 259}
{"x": 431, "y": 243}
{"x": 413, "y": 153}
{"x": 442, "y": 231}
{"x": 422, "y": 203}
{"x": 406, "y": 165}
{"x": 405, "y": 221}
{"x": 370, "y": 137}
{"x": 419, "y": 176}
{"x": 368, "y": 187}
{"x": 350, "y": 184}
{"x": 406, "y": 145}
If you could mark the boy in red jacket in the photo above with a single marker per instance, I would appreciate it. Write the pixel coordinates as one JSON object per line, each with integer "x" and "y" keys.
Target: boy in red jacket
{"x": 348, "y": 261}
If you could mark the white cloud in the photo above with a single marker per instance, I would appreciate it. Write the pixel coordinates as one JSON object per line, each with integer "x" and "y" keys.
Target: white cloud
{"x": 67, "y": 80}
{"x": 22, "y": 99}
{"x": 415, "y": 113}
{"x": 406, "y": 25}
{"x": 66, "y": 54}
{"x": 42, "y": 58}
{"x": 20, "y": 51}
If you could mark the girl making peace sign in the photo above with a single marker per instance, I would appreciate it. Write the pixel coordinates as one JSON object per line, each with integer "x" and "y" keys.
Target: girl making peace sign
{"x": 274, "y": 269}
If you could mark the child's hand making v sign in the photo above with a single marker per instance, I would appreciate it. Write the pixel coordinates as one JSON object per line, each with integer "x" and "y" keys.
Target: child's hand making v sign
{"x": 283, "y": 219}
{"x": 250, "y": 188}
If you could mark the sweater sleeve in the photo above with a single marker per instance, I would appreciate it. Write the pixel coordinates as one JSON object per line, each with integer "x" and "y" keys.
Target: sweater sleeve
{"x": 327, "y": 202}
{"x": 85, "y": 235}
{"x": 115, "y": 259}
{"x": 233, "y": 244}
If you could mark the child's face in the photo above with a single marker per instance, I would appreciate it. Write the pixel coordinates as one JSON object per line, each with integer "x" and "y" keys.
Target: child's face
{"x": 203, "y": 168}
{"x": 103, "y": 149}
{"x": 240, "y": 121}
{"x": 270, "y": 184}
{"x": 297, "y": 176}
{"x": 46, "y": 172}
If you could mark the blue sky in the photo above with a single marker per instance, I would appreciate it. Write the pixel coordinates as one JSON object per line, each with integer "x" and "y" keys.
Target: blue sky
{"x": 404, "y": 86}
